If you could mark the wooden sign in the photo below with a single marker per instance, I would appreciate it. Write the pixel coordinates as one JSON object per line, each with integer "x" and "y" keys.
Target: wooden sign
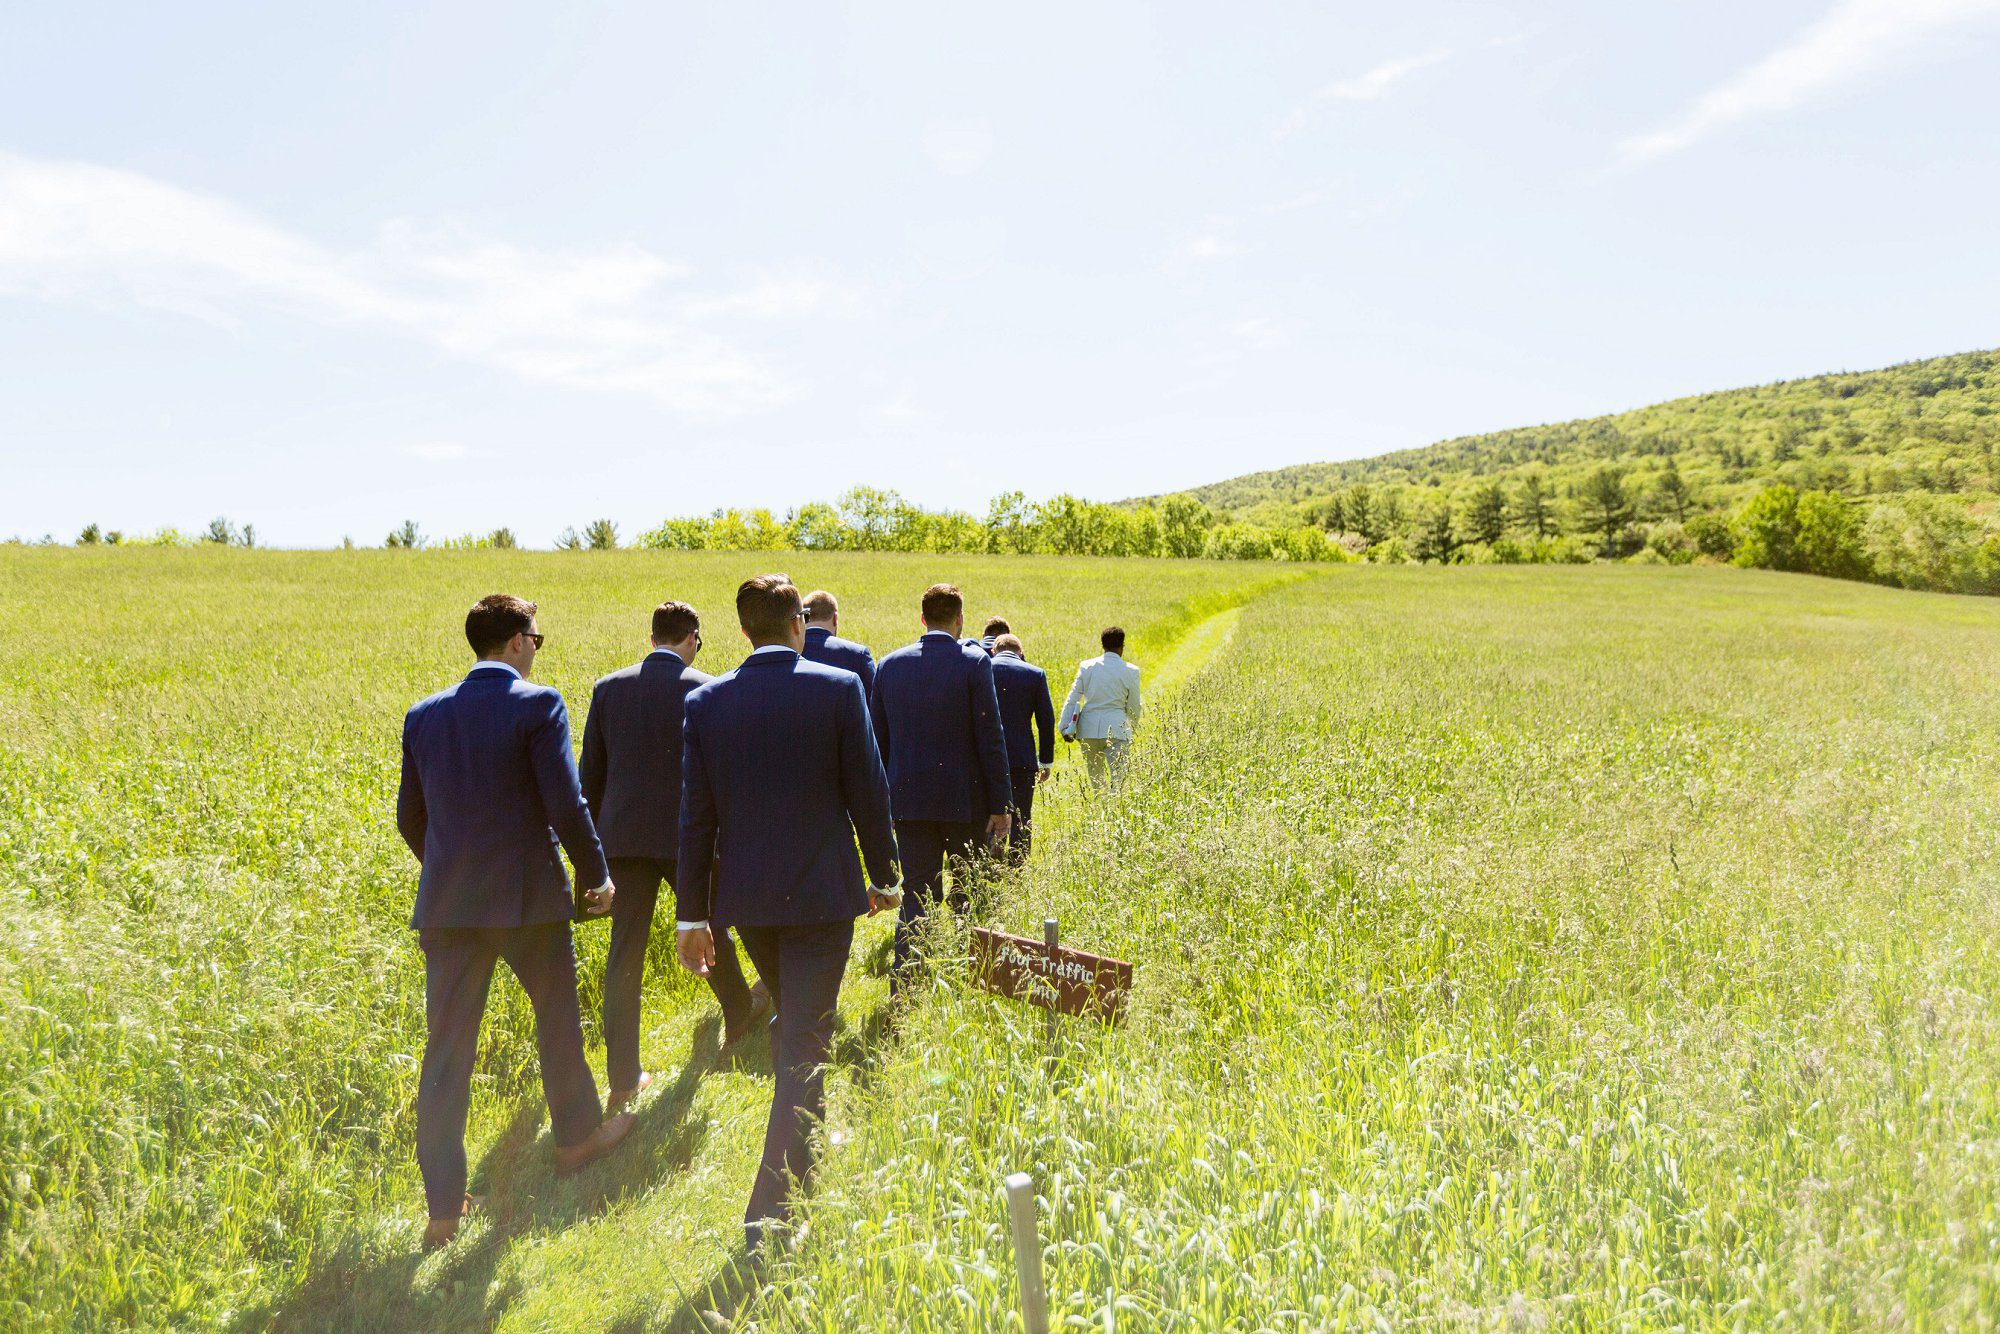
{"x": 1064, "y": 980}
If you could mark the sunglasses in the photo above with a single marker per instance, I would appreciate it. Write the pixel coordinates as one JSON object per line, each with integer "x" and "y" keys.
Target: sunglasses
{"x": 531, "y": 635}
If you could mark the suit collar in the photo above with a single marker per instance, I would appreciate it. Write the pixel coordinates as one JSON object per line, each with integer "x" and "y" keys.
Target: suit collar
{"x": 490, "y": 665}
{"x": 819, "y": 630}
{"x": 664, "y": 656}
{"x": 771, "y": 655}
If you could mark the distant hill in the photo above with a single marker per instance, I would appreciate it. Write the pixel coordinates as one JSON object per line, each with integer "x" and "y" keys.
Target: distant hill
{"x": 1925, "y": 426}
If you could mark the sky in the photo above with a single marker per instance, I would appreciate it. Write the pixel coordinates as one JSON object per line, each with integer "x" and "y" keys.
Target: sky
{"x": 326, "y": 268}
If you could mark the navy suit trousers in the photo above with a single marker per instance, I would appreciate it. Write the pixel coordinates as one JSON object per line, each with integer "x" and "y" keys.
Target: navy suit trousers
{"x": 458, "y": 970}
{"x": 638, "y": 880}
{"x": 803, "y": 966}
{"x": 927, "y": 846}
{"x": 1021, "y": 835}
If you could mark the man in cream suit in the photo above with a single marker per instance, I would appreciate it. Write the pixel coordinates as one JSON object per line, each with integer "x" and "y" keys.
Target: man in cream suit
{"x": 1101, "y": 708}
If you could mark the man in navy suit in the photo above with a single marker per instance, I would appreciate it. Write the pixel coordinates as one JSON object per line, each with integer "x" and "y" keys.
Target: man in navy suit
{"x": 937, "y": 721}
{"x": 632, "y": 779}
{"x": 995, "y": 627}
{"x": 489, "y": 790}
{"x": 824, "y": 644}
{"x": 1025, "y": 709}
{"x": 780, "y": 780}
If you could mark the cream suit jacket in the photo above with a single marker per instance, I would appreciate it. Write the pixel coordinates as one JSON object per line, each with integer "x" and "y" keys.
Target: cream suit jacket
{"x": 1106, "y": 694}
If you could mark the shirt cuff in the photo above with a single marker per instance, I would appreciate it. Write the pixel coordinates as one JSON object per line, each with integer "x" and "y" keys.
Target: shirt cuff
{"x": 690, "y": 926}
{"x": 598, "y": 889}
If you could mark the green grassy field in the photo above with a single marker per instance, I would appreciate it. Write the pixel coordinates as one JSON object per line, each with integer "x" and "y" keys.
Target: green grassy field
{"x": 210, "y": 1002}
{"x": 1535, "y": 947}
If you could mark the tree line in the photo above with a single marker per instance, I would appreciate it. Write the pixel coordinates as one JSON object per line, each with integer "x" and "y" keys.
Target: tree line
{"x": 1911, "y": 539}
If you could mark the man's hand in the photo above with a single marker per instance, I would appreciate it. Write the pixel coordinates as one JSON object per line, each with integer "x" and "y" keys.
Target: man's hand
{"x": 1043, "y": 774}
{"x": 883, "y": 900}
{"x": 997, "y": 827}
{"x": 600, "y": 899}
{"x": 697, "y": 950}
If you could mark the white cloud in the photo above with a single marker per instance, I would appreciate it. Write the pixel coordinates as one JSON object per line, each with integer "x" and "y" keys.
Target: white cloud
{"x": 960, "y": 147}
{"x": 1218, "y": 343}
{"x": 440, "y": 451}
{"x": 1204, "y": 249}
{"x": 1854, "y": 38}
{"x": 1370, "y": 86}
{"x": 613, "y": 317}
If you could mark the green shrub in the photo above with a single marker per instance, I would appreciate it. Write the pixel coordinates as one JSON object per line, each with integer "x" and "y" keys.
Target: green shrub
{"x": 1767, "y": 530}
{"x": 1829, "y": 537}
{"x": 1712, "y": 536}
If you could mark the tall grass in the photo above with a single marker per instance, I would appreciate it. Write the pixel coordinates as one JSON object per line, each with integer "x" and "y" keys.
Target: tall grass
{"x": 210, "y": 1005}
{"x": 1517, "y": 948}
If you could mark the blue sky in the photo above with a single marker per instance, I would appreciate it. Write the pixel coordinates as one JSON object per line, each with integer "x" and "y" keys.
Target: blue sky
{"x": 481, "y": 264}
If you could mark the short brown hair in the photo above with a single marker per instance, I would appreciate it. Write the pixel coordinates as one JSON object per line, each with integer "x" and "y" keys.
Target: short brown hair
{"x": 820, "y": 605}
{"x": 766, "y": 605}
{"x": 996, "y": 625}
{"x": 673, "y": 622}
{"x": 495, "y": 619}
{"x": 943, "y": 604}
{"x": 1009, "y": 644}
{"x": 1113, "y": 639}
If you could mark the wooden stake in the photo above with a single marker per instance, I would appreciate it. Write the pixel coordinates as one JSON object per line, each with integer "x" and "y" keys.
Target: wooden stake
{"x": 1028, "y": 1248}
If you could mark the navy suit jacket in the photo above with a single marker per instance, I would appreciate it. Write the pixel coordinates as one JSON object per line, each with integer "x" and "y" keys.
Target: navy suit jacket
{"x": 937, "y": 721}
{"x": 1024, "y": 706}
{"x": 822, "y": 645}
{"x": 631, "y": 765}
{"x": 489, "y": 789}
{"x": 780, "y": 779}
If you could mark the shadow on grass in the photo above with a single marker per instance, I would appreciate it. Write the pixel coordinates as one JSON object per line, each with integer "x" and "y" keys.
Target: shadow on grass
{"x": 378, "y": 1279}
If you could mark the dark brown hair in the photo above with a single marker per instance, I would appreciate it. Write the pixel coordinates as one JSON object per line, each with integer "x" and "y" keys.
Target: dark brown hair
{"x": 1113, "y": 639}
{"x": 495, "y": 619}
{"x": 766, "y": 605}
{"x": 673, "y": 622}
{"x": 943, "y": 604}
{"x": 1009, "y": 644}
{"x": 996, "y": 625}
{"x": 820, "y": 605}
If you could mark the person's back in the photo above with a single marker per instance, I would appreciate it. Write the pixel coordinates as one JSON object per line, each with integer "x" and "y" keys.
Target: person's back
{"x": 937, "y": 723}
{"x": 1025, "y": 710}
{"x": 781, "y": 780}
{"x": 488, "y": 792}
{"x": 781, "y": 745}
{"x": 1102, "y": 706}
{"x": 631, "y": 763}
{"x": 824, "y": 644}
{"x": 631, "y": 770}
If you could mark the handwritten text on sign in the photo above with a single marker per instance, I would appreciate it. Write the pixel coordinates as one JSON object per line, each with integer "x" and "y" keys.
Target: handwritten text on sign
{"x": 1065, "y": 980}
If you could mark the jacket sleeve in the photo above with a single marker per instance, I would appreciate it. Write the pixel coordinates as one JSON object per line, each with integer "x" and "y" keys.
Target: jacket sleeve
{"x": 864, "y": 788}
{"x": 562, "y": 795}
{"x": 596, "y": 761}
{"x": 878, "y": 718}
{"x": 1045, "y": 722}
{"x": 694, "y": 898}
{"x": 412, "y": 816}
{"x": 990, "y": 737}
{"x": 1132, "y": 698}
{"x": 1074, "y": 700}
{"x": 867, "y": 675}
